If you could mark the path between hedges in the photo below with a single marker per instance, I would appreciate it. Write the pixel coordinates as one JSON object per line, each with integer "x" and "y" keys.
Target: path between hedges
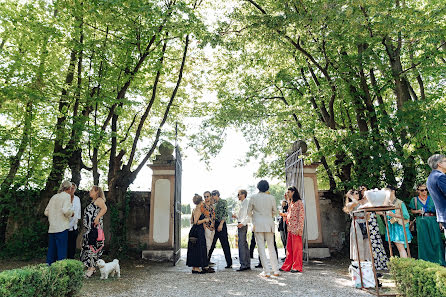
{"x": 149, "y": 279}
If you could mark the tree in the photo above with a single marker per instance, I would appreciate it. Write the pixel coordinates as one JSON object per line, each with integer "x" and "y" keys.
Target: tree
{"x": 104, "y": 82}
{"x": 357, "y": 81}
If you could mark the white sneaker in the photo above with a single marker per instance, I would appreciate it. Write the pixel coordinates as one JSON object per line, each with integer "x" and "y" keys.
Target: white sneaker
{"x": 265, "y": 274}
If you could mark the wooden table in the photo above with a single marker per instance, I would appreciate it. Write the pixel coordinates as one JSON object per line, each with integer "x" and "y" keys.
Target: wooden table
{"x": 365, "y": 212}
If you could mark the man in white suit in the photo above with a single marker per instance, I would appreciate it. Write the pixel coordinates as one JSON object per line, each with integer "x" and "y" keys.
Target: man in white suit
{"x": 262, "y": 210}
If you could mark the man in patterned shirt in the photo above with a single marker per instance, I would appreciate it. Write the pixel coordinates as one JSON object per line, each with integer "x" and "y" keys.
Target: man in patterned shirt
{"x": 221, "y": 232}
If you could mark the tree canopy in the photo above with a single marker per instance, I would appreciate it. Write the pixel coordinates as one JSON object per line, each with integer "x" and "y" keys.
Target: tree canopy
{"x": 362, "y": 82}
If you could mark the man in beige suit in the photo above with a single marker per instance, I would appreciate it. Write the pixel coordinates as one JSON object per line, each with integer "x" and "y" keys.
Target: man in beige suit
{"x": 262, "y": 210}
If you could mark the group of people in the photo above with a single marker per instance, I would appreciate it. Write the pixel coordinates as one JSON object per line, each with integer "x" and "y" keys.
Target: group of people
{"x": 64, "y": 212}
{"x": 208, "y": 221}
{"x": 428, "y": 219}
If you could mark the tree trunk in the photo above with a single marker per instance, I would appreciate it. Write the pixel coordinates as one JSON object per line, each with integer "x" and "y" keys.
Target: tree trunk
{"x": 14, "y": 165}
{"x": 60, "y": 156}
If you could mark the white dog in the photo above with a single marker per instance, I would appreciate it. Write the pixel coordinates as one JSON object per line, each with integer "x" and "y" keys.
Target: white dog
{"x": 111, "y": 268}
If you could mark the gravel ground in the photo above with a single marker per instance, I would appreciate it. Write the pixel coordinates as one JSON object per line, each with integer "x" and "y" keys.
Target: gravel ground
{"x": 327, "y": 278}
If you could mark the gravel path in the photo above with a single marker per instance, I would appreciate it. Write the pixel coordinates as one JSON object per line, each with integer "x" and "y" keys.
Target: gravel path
{"x": 148, "y": 279}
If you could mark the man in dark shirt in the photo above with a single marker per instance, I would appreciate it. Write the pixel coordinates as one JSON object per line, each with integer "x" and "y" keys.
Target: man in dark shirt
{"x": 436, "y": 184}
{"x": 221, "y": 231}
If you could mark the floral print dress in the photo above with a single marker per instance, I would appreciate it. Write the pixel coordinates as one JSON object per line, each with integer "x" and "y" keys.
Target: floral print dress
{"x": 379, "y": 254}
{"x": 91, "y": 254}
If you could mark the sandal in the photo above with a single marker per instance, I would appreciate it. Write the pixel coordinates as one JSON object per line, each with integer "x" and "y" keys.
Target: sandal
{"x": 89, "y": 273}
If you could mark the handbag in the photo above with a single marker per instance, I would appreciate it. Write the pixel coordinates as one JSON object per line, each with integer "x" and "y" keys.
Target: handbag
{"x": 101, "y": 236}
{"x": 412, "y": 224}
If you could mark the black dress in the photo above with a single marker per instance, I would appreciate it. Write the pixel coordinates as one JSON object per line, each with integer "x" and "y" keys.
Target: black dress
{"x": 196, "y": 247}
{"x": 91, "y": 254}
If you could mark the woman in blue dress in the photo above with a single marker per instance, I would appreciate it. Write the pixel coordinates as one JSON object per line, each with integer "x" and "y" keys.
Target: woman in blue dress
{"x": 395, "y": 223}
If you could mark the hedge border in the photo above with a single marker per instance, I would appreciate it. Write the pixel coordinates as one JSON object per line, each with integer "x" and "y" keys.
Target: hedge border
{"x": 62, "y": 278}
{"x": 415, "y": 278}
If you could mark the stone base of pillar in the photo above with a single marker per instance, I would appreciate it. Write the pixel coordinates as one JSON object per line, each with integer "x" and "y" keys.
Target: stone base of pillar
{"x": 158, "y": 255}
{"x": 319, "y": 252}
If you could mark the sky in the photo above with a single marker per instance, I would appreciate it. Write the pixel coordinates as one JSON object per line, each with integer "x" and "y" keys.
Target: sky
{"x": 222, "y": 174}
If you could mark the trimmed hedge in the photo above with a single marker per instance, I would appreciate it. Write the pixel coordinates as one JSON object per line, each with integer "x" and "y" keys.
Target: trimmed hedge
{"x": 418, "y": 278}
{"x": 62, "y": 278}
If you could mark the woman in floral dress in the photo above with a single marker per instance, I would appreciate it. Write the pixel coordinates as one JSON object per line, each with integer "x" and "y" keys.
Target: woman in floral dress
{"x": 93, "y": 216}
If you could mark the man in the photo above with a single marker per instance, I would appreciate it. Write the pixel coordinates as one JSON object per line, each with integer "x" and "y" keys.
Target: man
{"x": 221, "y": 233}
{"x": 72, "y": 229}
{"x": 283, "y": 229}
{"x": 262, "y": 210}
{"x": 243, "y": 219}
{"x": 59, "y": 210}
{"x": 436, "y": 184}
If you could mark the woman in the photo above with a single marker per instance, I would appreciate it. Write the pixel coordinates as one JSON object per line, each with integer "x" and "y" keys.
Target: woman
{"x": 395, "y": 223}
{"x": 93, "y": 217}
{"x": 379, "y": 253}
{"x": 352, "y": 203}
{"x": 209, "y": 227}
{"x": 196, "y": 249}
{"x": 295, "y": 221}
{"x": 430, "y": 244}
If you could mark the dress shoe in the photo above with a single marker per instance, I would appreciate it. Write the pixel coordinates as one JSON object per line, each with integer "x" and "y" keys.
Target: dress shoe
{"x": 259, "y": 266}
{"x": 208, "y": 270}
{"x": 244, "y": 269}
{"x": 294, "y": 270}
{"x": 229, "y": 266}
{"x": 280, "y": 269}
{"x": 265, "y": 274}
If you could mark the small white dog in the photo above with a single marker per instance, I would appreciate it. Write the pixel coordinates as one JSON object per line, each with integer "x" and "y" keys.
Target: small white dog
{"x": 111, "y": 268}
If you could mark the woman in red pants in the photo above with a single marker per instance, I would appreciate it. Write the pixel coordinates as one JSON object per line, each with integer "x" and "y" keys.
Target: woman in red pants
{"x": 295, "y": 221}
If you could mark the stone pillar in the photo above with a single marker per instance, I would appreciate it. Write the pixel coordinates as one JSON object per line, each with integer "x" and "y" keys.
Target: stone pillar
{"x": 161, "y": 230}
{"x": 313, "y": 217}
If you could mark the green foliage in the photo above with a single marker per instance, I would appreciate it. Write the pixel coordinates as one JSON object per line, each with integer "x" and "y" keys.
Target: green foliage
{"x": 359, "y": 82}
{"x": 185, "y": 209}
{"x": 30, "y": 239}
{"x": 418, "y": 278}
{"x": 62, "y": 278}
{"x": 119, "y": 213}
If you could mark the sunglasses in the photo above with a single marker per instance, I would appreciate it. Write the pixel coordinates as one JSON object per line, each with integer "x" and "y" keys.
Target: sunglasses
{"x": 422, "y": 190}
{"x": 207, "y": 196}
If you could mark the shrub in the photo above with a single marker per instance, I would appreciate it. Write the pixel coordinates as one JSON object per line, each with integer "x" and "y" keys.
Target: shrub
{"x": 418, "y": 278}
{"x": 62, "y": 278}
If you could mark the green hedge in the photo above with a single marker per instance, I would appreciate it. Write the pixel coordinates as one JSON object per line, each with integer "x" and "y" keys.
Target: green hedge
{"x": 418, "y": 278}
{"x": 62, "y": 278}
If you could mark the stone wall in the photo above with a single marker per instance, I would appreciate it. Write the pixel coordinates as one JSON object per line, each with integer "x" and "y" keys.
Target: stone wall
{"x": 335, "y": 223}
{"x": 137, "y": 221}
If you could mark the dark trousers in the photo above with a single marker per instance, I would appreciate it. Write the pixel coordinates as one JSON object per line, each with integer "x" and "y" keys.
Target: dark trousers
{"x": 252, "y": 246}
{"x": 72, "y": 238}
{"x": 57, "y": 247}
{"x": 223, "y": 236}
{"x": 243, "y": 250}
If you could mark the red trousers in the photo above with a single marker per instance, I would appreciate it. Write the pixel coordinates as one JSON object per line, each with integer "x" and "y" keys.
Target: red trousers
{"x": 293, "y": 253}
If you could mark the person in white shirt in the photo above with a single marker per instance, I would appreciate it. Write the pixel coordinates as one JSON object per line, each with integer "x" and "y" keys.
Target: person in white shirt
{"x": 73, "y": 229}
{"x": 59, "y": 210}
{"x": 243, "y": 220}
{"x": 262, "y": 210}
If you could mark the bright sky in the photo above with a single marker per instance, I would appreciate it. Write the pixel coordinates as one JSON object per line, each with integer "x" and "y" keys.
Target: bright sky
{"x": 223, "y": 176}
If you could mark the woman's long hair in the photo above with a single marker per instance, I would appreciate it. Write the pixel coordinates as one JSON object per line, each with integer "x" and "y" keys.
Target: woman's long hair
{"x": 100, "y": 192}
{"x": 296, "y": 195}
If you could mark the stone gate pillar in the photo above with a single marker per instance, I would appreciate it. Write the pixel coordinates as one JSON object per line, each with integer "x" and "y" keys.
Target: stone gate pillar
{"x": 161, "y": 230}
